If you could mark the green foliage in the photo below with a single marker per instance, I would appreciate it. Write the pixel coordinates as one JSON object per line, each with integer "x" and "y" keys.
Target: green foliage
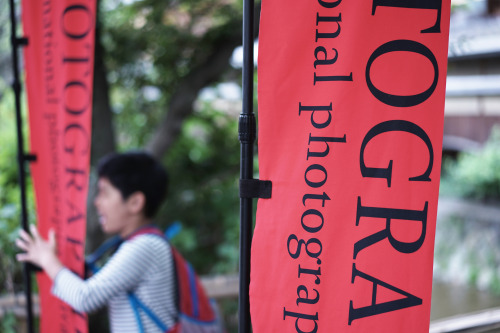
{"x": 150, "y": 46}
{"x": 8, "y": 323}
{"x": 495, "y": 285}
{"x": 475, "y": 175}
{"x": 9, "y": 194}
{"x": 229, "y": 310}
{"x": 203, "y": 191}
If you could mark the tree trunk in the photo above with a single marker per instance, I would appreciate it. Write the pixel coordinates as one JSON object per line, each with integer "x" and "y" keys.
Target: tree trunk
{"x": 181, "y": 104}
{"x": 208, "y": 72}
{"x": 103, "y": 140}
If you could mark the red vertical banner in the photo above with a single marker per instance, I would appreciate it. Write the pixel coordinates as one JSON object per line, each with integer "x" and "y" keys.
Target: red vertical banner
{"x": 351, "y": 108}
{"x": 59, "y": 74}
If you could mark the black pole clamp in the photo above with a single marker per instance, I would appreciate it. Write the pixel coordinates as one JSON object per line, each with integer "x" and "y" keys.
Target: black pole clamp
{"x": 30, "y": 157}
{"x": 34, "y": 268}
{"x": 27, "y": 158}
{"x": 20, "y": 41}
{"x": 255, "y": 188}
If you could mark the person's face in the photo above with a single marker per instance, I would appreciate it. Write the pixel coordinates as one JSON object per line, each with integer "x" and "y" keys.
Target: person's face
{"x": 112, "y": 209}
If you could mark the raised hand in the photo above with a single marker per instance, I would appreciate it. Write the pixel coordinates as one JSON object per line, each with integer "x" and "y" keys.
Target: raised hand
{"x": 39, "y": 251}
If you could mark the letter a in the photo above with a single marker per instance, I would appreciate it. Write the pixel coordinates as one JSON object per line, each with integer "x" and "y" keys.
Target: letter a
{"x": 378, "y": 308}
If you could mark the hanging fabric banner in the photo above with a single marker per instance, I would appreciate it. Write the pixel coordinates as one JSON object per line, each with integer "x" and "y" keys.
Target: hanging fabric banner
{"x": 59, "y": 74}
{"x": 351, "y": 109}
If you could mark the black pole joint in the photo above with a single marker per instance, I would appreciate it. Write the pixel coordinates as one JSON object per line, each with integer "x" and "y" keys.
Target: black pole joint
{"x": 16, "y": 86}
{"x": 247, "y": 128}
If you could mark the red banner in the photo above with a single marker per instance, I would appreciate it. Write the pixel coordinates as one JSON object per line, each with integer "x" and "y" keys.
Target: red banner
{"x": 59, "y": 71}
{"x": 351, "y": 108}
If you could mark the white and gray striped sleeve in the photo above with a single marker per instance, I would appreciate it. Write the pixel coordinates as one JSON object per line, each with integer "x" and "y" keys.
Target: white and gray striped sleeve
{"x": 123, "y": 272}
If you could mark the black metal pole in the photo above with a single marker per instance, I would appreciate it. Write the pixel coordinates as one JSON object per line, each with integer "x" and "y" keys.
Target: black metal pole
{"x": 247, "y": 133}
{"x": 21, "y": 158}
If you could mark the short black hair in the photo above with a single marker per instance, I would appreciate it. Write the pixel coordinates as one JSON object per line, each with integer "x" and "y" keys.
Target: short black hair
{"x": 138, "y": 171}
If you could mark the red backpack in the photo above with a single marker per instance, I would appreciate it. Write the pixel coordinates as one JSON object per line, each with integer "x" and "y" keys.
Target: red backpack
{"x": 196, "y": 312}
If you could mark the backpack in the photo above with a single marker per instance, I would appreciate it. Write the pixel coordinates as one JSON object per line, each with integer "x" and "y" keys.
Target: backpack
{"x": 196, "y": 312}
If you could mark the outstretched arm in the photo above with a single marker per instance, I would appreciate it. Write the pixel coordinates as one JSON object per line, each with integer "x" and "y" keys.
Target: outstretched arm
{"x": 39, "y": 251}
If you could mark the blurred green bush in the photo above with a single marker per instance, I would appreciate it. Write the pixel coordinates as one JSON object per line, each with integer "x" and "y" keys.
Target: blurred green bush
{"x": 475, "y": 175}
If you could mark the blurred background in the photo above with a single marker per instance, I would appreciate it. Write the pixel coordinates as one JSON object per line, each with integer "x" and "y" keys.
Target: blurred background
{"x": 168, "y": 79}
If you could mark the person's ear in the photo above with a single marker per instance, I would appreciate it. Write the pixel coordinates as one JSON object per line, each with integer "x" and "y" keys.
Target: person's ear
{"x": 136, "y": 202}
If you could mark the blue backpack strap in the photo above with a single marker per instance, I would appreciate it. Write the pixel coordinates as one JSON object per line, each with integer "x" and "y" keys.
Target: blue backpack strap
{"x": 135, "y": 307}
{"x": 192, "y": 288}
{"x": 173, "y": 230}
{"x": 110, "y": 244}
{"x": 138, "y": 305}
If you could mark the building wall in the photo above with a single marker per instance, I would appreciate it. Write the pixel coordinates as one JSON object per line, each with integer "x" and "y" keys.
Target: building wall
{"x": 471, "y": 117}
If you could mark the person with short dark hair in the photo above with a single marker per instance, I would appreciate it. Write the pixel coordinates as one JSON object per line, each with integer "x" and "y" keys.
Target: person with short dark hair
{"x": 136, "y": 172}
{"x": 131, "y": 188}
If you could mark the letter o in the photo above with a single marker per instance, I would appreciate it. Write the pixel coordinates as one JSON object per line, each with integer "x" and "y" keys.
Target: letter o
{"x": 82, "y": 34}
{"x": 397, "y": 100}
{"x": 312, "y": 212}
{"x": 319, "y": 183}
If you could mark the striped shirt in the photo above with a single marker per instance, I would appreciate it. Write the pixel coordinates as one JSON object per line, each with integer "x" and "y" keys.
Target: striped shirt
{"x": 142, "y": 265}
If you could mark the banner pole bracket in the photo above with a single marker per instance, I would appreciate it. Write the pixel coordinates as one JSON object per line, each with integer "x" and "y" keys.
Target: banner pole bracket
{"x": 256, "y": 188}
{"x": 20, "y": 41}
{"x": 34, "y": 268}
{"x": 30, "y": 157}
